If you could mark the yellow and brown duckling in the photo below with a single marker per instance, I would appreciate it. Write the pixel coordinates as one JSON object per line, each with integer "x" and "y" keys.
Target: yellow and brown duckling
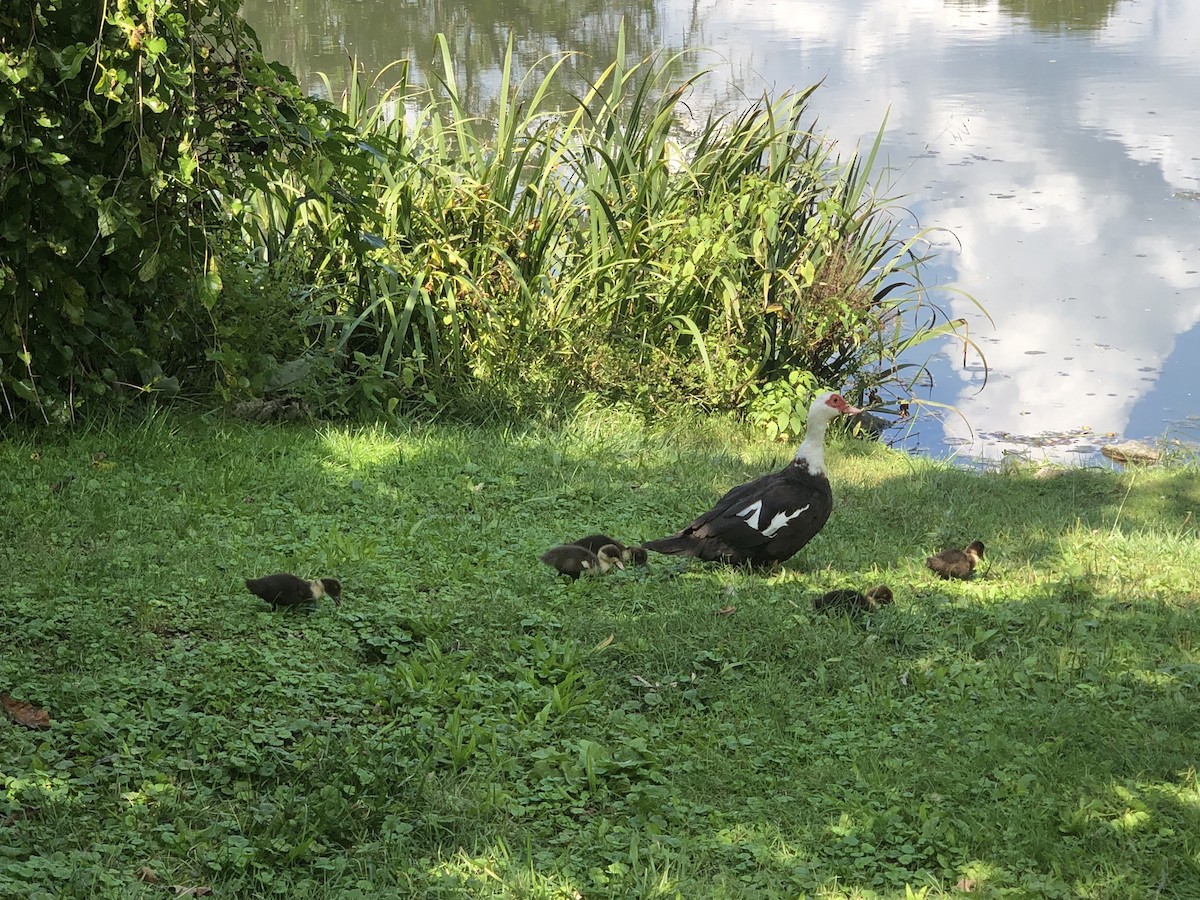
{"x": 594, "y": 542}
{"x": 286, "y": 589}
{"x": 952, "y": 563}
{"x": 853, "y": 602}
{"x": 574, "y": 560}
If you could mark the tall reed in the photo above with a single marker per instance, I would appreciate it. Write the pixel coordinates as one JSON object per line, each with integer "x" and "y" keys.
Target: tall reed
{"x": 585, "y": 246}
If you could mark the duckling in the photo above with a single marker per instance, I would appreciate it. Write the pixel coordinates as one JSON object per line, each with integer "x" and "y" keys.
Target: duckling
{"x": 853, "y": 602}
{"x": 953, "y": 563}
{"x": 573, "y": 560}
{"x": 635, "y": 555}
{"x": 286, "y": 589}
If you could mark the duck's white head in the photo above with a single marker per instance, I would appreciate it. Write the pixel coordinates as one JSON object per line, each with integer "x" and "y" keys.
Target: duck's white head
{"x": 829, "y": 406}
{"x": 825, "y": 408}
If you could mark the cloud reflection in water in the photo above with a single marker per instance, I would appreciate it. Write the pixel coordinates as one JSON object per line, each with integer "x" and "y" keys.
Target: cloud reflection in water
{"x": 1057, "y": 159}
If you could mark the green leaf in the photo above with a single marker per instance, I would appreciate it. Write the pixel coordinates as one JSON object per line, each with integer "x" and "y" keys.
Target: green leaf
{"x": 150, "y": 267}
{"x": 107, "y": 219}
{"x": 209, "y": 288}
{"x": 187, "y": 168}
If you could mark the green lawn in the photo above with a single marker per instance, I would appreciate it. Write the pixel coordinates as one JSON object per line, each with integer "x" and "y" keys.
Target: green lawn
{"x": 461, "y": 726}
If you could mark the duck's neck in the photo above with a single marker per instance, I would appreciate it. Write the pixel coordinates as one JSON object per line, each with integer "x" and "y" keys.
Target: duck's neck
{"x": 812, "y": 450}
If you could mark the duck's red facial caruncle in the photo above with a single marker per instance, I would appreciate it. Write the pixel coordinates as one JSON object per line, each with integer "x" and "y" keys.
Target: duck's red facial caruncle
{"x": 838, "y": 402}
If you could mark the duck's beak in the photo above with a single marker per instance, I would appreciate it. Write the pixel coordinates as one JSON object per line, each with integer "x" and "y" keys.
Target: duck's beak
{"x": 619, "y": 563}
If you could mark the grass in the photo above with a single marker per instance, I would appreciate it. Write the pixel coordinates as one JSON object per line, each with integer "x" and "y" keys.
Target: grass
{"x": 463, "y": 726}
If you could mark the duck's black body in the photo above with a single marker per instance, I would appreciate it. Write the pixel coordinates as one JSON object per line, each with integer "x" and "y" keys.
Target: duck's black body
{"x": 852, "y": 601}
{"x": 629, "y": 554}
{"x": 768, "y": 520}
{"x": 286, "y": 589}
{"x": 574, "y": 560}
{"x": 954, "y": 563}
{"x": 765, "y": 521}
{"x": 759, "y": 523}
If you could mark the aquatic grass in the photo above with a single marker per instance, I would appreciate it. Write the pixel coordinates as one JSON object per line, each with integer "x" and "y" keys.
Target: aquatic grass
{"x": 468, "y": 724}
{"x": 573, "y": 244}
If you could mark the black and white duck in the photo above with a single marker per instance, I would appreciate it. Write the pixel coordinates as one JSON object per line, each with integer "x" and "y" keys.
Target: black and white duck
{"x": 767, "y": 520}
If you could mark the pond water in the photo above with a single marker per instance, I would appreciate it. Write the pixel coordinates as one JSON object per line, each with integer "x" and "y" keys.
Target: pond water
{"x": 1058, "y": 141}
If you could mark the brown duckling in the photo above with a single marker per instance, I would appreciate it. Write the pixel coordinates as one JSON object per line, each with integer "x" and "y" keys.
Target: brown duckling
{"x": 848, "y": 601}
{"x": 573, "y": 560}
{"x": 286, "y": 589}
{"x": 635, "y": 555}
{"x": 954, "y": 563}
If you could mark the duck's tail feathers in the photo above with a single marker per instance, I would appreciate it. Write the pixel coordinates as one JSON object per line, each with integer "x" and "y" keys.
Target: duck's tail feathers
{"x": 675, "y": 545}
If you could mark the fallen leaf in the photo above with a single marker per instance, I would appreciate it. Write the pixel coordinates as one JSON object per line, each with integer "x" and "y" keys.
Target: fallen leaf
{"x": 966, "y": 884}
{"x": 24, "y": 713}
{"x": 604, "y": 643}
{"x": 183, "y": 891}
{"x": 148, "y": 875}
{"x": 726, "y": 610}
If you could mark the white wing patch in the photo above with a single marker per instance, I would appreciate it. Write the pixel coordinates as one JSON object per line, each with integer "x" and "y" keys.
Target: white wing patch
{"x": 752, "y": 513}
{"x": 781, "y": 521}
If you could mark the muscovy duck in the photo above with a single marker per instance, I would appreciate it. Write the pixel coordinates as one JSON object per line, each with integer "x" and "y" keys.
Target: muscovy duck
{"x": 954, "y": 563}
{"x": 593, "y": 542}
{"x": 286, "y": 589}
{"x": 845, "y": 600}
{"x": 573, "y": 560}
{"x": 767, "y": 520}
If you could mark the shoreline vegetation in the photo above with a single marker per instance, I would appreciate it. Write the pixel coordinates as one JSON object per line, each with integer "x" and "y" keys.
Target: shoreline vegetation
{"x": 193, "y": 226}
{"x": 467, "y": 723}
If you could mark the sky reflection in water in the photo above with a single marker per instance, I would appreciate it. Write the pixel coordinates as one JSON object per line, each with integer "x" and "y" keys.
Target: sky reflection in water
{"x": 1067, "y": 165}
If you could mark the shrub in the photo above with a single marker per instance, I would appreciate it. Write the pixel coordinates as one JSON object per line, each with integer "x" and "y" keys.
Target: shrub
{"x": 126, "y": 127}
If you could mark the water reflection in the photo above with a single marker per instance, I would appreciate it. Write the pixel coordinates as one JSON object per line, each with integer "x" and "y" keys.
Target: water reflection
{"x": 1053, "y": 15}
{"x": 320, "y": 36}
{"x": 1057, "y": 139}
